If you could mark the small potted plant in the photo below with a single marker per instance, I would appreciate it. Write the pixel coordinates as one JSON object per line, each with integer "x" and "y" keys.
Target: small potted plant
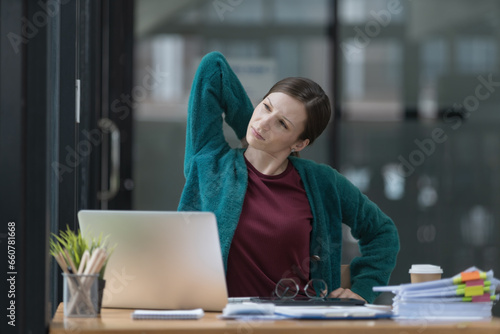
{"x": 76, "y": 255}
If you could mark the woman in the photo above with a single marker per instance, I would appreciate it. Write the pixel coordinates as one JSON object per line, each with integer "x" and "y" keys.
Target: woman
{"x": 279, "y": 216}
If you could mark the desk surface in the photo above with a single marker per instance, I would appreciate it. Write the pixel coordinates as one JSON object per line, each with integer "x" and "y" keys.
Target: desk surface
{"x": 119, "y": 321}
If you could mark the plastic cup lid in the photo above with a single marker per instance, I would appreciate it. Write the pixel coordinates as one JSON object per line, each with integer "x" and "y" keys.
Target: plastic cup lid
{"x": 425, "y": 269}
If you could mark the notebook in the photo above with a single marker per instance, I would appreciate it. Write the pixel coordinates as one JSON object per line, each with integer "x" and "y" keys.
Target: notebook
{"x": 162, "y": 260}
{"x": 166, "y": 315}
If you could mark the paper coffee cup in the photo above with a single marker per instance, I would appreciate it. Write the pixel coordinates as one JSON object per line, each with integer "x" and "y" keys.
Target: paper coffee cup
{"x": 425, "y": 272}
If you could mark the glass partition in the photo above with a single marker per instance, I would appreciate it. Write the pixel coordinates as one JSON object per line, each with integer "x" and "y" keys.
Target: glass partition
{"x": 263, "y": 41}
{"x": 418, "y": 97}
{"x": 419, "y": 133}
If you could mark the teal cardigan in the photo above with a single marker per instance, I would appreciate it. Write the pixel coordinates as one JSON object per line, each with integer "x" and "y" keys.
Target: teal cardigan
{"x": 216, "y": 181}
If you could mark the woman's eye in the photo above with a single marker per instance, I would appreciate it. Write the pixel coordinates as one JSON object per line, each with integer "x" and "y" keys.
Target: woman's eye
{"x": 267, "y": 107}
{"x": 283, "y": 124}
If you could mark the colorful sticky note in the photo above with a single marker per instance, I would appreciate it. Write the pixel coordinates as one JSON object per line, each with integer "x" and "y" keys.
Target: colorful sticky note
{"x": 471, "y": 291}
{"x": 475, "y": 282}
{"x": 470, "y": 276}
{"x": 483, "y": 298}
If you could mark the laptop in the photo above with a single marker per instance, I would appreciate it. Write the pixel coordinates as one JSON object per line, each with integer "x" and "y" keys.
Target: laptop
{"x": 161, "y": 260}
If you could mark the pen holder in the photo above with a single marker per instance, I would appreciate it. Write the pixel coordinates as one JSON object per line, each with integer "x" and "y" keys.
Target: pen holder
{"x": 80, "y": 295}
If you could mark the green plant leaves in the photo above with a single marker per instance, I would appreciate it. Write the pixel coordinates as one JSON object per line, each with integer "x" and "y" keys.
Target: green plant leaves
{"x": 72, "y": 244}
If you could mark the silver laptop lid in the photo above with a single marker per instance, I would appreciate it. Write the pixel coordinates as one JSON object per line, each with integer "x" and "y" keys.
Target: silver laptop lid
{"x": 162, "y": 260}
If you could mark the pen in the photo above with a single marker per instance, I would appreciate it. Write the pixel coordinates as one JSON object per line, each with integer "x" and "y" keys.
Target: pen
{"x": 83, "y": 261}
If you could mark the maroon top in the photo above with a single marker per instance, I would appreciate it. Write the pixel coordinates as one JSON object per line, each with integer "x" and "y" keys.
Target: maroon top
{"x": 272, "y": 238}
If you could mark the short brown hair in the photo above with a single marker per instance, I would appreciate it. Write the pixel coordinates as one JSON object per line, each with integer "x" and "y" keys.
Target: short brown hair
{"x": 316, "y": 102}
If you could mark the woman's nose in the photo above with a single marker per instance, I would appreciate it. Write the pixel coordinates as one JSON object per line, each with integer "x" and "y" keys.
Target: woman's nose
{"x": 266, "y": 121}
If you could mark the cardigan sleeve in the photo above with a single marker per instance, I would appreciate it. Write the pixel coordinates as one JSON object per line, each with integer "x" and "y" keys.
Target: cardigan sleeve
{"x": 216, "y": 91}
{"x": 377, "y": 238}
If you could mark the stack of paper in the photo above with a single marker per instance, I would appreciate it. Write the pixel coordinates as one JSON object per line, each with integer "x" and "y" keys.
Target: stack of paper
{"x": 263, "y": 311}
{"x": 468, "y": 295}
{"x": 367, "y": 311}
{"x": 167, "y": 314}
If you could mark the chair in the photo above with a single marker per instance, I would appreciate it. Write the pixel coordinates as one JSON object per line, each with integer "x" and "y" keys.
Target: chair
{"x": 345, "y": 276}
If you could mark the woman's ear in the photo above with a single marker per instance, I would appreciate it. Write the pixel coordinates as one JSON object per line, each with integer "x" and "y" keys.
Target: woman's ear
{"x": 300, "y": 145}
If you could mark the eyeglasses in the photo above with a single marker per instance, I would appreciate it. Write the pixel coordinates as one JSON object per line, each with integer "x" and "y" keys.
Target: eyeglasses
{"x": 287, "y": 288}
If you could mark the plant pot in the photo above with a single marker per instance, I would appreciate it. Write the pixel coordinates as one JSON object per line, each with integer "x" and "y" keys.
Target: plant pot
{"x": 101, "y": 284}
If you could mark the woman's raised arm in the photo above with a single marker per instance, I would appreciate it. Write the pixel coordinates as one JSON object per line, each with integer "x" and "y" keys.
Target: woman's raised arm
{"x": 215, "y": 91}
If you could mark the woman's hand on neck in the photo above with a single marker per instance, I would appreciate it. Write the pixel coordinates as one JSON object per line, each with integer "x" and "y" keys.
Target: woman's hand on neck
{"x": 266, "y": 163}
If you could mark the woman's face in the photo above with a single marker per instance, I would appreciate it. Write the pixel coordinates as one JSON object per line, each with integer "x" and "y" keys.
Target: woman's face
{"x": 276, "y": 125}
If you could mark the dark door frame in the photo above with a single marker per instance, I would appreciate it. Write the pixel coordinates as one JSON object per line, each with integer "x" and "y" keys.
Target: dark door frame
{"x": 46, "y": 173}
{"x": 24, "y": 140}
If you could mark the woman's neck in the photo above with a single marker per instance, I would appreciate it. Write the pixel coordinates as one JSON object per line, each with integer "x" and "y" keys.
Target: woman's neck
{"x": 266, "y": 163}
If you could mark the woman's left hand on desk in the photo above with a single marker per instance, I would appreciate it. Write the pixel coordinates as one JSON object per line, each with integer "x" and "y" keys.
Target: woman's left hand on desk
{"x": 344, "y": 293}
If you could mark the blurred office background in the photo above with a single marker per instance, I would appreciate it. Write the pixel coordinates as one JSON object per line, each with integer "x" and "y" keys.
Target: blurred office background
{"x": 414, "y": 83}
{"x": 416, "y": 92}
